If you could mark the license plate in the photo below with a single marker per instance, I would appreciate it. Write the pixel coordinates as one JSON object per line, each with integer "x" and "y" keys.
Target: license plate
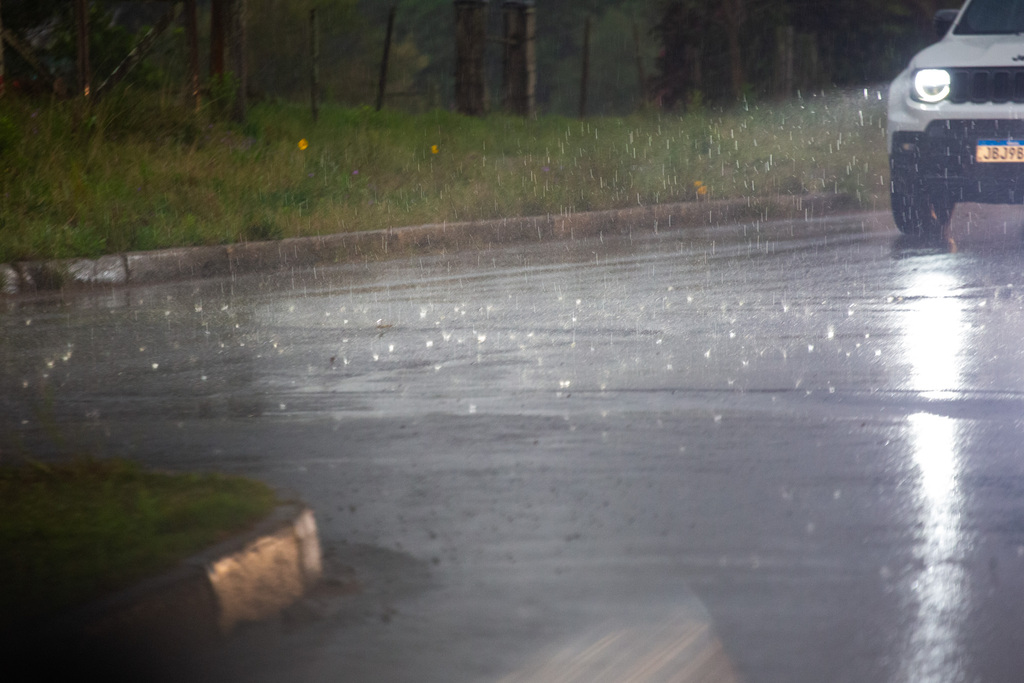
{"x": 1000, "y": 152}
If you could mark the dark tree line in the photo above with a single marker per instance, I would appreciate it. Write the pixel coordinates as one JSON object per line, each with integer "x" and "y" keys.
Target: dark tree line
{"x": 723, "y": 50}
{"x": 672, "y": 53}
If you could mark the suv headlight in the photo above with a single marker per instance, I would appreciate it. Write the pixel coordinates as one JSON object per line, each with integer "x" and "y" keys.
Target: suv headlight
{"x": 931, "y": 85}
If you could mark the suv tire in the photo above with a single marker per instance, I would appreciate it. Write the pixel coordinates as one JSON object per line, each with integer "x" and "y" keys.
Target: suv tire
{"x": 915, "y": 212}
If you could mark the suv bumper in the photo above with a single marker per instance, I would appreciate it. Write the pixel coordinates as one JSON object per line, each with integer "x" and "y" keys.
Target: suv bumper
{"x": 941, "y": 160}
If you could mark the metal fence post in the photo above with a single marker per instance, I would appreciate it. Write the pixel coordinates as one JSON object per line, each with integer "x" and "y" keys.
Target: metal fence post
{"x": 192, "y": 38}
{"x": 382, "y": 82}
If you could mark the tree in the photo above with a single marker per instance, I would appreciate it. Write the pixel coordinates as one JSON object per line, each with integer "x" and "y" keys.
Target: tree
{"x": 682, "y": 32}
{"x": 731, "y": 15}
{"x": 429, "y": 24}
{"x": 52, "y": 22}
{"x": 848, "y": 43}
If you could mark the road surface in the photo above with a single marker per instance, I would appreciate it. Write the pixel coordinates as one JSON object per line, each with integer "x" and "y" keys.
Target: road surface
{"x": 775, "y": 452}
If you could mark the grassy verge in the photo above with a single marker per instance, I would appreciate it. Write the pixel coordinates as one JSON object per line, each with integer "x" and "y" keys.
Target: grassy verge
{"x": 140, "y": 171}
{"x": 72, "y": 532}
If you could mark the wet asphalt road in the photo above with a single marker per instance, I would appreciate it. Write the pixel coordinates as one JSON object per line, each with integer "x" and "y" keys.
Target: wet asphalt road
{"x": 780, "y": 453}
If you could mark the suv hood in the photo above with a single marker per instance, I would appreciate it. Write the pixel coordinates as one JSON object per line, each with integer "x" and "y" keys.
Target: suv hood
{"x": 969, "y": 51}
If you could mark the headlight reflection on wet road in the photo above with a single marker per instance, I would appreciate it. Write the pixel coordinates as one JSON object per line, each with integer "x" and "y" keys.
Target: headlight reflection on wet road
{"x": 940, "y": 584}
{"x": 935, "y": 339}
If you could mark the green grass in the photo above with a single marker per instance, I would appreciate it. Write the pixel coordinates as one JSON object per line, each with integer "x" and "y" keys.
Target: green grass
{"x": 75, "y": 531}
{"x": 139, "y": 171}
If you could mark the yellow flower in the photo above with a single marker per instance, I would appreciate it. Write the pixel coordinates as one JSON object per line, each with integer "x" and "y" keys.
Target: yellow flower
{"x": 700, "y": 187}
{"x": 434, "y": 149}
{"x": 303, "y": 143}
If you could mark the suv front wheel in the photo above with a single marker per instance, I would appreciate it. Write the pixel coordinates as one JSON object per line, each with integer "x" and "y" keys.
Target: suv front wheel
{"x": 914, "y": 210}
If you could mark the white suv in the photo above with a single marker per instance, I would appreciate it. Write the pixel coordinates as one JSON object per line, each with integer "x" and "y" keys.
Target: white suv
{"x": 956, "y": 118}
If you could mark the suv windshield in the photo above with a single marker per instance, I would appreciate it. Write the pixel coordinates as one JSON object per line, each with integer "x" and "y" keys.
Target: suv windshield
{"x": 992, "y": 16}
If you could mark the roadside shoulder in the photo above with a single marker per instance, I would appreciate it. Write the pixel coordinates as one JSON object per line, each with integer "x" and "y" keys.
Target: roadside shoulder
{"x": 188, "y": 263}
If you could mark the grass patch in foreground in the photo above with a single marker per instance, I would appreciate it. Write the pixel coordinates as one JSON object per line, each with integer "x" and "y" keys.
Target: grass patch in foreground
{"x": 72, "y": 532}
{"x": 139, "y": 171}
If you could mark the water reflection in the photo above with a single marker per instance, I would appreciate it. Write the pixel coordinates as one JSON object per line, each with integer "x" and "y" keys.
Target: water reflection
{"x": 934, "y": 334}
{"x": 935, "y": 340}
{"x": 938, "y": 587}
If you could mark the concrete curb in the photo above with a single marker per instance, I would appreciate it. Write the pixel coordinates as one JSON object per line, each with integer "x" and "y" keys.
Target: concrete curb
{"x": 247, "y": 578}
{"x": 187, "y": 263}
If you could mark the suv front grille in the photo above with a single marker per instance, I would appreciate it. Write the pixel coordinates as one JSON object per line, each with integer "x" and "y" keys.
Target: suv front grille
{"x": 969, "y": 131}
{"x": 981, "y": 85}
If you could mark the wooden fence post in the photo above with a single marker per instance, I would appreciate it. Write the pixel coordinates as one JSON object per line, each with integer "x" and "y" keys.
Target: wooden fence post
{"x": 520, "y": 57}
{"x": 236, "y": 48}
{"x": 585, "y": 71}
{"x": 217, "y": 40}
{"x": 382, "y": 82}
{"x": 470, "y": 41}
{"x": 1, "y": 55}
{"x": 82, "y": 43}
{"x": 314, "y": 64}
{"x": 784, "y": 43}
{"x": 192, "y": 38}
{"x": 806, "y": 56}
{"x": 641, "y": 74}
